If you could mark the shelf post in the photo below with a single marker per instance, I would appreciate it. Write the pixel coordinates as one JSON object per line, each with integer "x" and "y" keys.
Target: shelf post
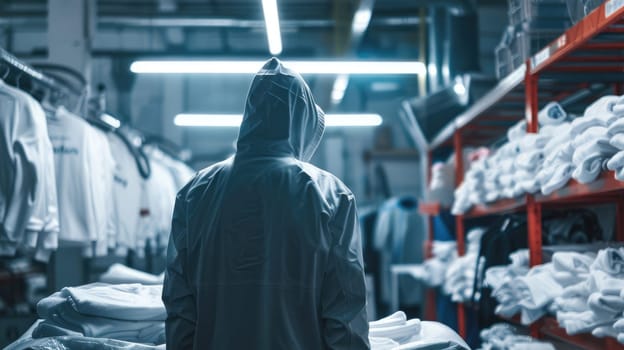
{"x": 459, "y": 223}
{"x": 534, "y": 209}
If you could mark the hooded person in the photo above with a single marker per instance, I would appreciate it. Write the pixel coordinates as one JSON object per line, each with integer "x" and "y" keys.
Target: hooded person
{"x": 265, "y": 249}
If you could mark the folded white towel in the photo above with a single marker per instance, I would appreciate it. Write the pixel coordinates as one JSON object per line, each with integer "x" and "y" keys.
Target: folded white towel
{"x": 399, "y": 334}
{"x": 573, "y": 261}
{"x": 121, "y": 301}
{"x": 605, "y": 306}
{"x": 382, "y": 343}
{"x": 560, "y": 177}
{"x": 574, "y": 304}
{"x": 396, "y": 319}
{"x": 617, "y": 141}
{"x": 605, "y": 331}
{"x": 591, "y": 134}
{"x": 552, "y": 114}
{"x": 617, "y": 127}
{"x": 589, "y": 169}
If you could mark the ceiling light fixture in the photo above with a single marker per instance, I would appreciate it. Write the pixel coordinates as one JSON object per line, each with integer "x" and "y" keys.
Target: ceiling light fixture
{"x": 271, "y": 21}
{"x": 302, "y": 67}
{"x": 234, "y": 120}
{"x": 340, "y": 86}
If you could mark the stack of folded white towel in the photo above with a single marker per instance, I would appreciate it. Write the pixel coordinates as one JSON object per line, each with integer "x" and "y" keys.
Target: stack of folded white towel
{"x": 127, "y": 312}
{"x": 546, "y": 161}
{"x": 459, "y": 277}
{"x": 584, "y": 290}
{"x": 502, "y": 336}
{"x": 433, "y": 270}
{"x": 442, "y": 183}
{"x": 502, "y": 280}
{"x": 396, "y": 332}
{"x": 596, "y": 303}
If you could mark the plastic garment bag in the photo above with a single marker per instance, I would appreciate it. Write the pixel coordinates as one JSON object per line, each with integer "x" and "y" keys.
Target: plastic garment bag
{"x": 265, "y": 249}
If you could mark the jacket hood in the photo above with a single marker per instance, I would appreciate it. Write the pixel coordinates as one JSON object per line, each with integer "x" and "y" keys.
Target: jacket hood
{"x": 281, "y": 116}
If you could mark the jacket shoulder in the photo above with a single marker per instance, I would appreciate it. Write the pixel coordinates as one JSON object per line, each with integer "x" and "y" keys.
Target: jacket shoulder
{"x": 333, "y": 189}
{"x": 202, "y": 179}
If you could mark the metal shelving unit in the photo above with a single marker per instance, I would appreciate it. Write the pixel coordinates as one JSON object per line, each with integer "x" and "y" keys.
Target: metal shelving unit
{"x": 591, "y": 51}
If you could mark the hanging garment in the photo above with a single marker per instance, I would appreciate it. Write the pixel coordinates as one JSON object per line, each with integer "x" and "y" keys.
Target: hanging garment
{"x": 28, "y": 201}
{"x": 84, "y": 165}
{"x": 127, "y": 195}
{"x": 265, "y": 250}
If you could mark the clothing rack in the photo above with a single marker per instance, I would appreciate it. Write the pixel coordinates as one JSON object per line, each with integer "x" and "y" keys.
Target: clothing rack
{"x": 20, "y": 68}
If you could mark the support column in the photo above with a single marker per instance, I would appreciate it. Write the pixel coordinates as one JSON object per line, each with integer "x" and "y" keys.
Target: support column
{"x": 71, "y": 27}
{"x": 459, "y": 224}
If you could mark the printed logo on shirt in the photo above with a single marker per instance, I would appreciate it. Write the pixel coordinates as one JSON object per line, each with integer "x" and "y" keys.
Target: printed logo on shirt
{"x": 120, "y": 180}
{"x": 65, "y": 150}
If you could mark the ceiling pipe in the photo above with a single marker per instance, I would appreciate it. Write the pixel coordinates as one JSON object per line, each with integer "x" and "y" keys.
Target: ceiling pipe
{"x": 138, "y": 21}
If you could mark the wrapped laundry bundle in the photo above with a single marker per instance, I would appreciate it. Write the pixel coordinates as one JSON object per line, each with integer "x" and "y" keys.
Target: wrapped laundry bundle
{"x": 396, "y": 332}
{"x": 127, "y": 312}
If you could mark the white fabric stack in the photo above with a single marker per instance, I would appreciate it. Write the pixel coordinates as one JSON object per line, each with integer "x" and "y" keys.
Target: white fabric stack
{"x": 459, "y": 277}
{"x": 396, "y": 332}
{"x": 503, "y": 281}
{"x": 432, "y": 272}
{"x": 502, "y": 336}
{"x": 601, "y": 291}
{"x": 127, "y": 312}
{"x": 584, "y": 290}
{"x": 442, "y": 183}
{"x": 616, "y": 139}
{"x": 546, "y": 161}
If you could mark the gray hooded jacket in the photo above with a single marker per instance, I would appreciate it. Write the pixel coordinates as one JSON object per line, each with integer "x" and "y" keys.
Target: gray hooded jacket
{"x": 265, "y": 249}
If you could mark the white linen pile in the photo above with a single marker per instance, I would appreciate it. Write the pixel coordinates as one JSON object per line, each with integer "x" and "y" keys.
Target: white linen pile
{"x": 432, "y": 272}
{"x": 396, "y": 332}
{"x": 546, "y": 161}
{"x": 459, "y": 277}
{"x": 584, "y": 290}
{"x": 127, "y": 312}
{"x": 502, "y": 336}
{"x": 601, "y": 292}
{"x": 502, "y": 280}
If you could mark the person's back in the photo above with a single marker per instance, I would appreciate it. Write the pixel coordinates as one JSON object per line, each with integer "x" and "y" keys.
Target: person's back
{"x": 265, "y": 250}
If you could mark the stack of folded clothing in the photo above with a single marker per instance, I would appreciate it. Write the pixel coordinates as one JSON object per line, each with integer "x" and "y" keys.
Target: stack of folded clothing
{"x": 127, "y": 312}
{"x": 536, "y": 291}
{"x": 602, "y": 293}
{"x": 502, "y": 336}
{"x": 546, "y": 161}
{"x": 460, "y": 275}
{"x": 502, "y": 280}
{"x": 590, "y": 135}
{"x": 432, "y": 271}
{"x": 396, "y": 332}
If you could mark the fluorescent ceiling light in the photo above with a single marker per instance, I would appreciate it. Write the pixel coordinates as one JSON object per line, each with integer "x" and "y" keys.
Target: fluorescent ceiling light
{"x": 302, "y": 67}
{"x": 234, "y": 120}
{"x": 110, "y": 120}
{"x": 459, "y": 88}
{"x": 340, "y": 86}
{"x": 271, "y": 21}
{"x": 360, "y": 20}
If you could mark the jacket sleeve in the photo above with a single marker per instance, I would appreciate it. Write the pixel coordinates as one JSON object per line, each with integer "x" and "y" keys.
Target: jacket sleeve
{"x": 343, "y": 303}
{"x": 178, "y": 296}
